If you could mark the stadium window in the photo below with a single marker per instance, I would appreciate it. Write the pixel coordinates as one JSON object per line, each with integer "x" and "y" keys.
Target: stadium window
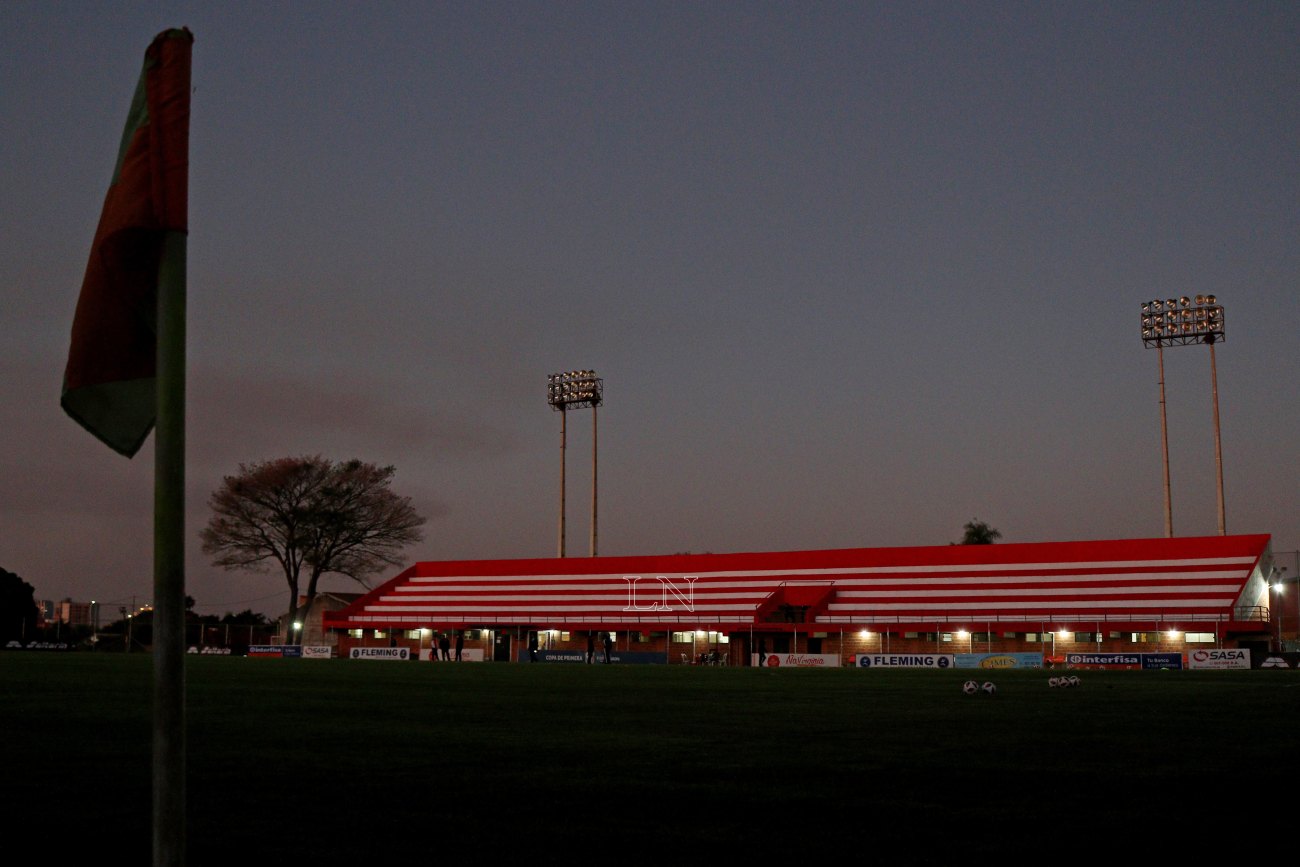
{"x": 947, "y": 636}
{"x": 1008, "y": 635}
{"x": 911, "y": 634}
{"x": 1137, "y": 638}
{"x": 1083, "y": 637}
{"x": 412, "y": 633}
{"x": 564, "y": 636}
{"x": 1199, "y": 637}
{"x": 356, "y": 633}
{"x": 1031, "y": 637}
{"x": 683, "y": 637}
{"x": 381, "y": 633}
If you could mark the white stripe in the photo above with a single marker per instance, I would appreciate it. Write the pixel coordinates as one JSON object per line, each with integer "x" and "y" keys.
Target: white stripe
{"x": 1167, "y": 604}
{"x": 1153, "y": 565}
{"x": 1045, "y": 591}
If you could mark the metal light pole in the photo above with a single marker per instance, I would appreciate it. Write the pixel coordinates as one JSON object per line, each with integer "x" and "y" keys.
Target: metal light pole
{"x": 1179, "y": 322}
{"x": 576, "y": 389}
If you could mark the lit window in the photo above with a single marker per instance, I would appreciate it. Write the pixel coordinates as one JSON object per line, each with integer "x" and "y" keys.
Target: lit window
{"x": 1200, "y": 638}
{"x": 355, "y": 633}
{"x": 1031, "y": 637}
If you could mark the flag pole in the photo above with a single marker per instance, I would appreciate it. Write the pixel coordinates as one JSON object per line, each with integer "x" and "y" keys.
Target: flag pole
{"x": 169, "y": 562}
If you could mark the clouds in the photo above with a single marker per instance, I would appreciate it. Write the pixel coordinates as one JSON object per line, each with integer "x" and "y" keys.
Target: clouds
{"x": 852, "y": 275}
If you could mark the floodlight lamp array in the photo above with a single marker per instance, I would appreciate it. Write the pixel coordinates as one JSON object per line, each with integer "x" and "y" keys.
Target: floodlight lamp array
{"x": 574, "y": 389}
{"x": 1180, "y": 321}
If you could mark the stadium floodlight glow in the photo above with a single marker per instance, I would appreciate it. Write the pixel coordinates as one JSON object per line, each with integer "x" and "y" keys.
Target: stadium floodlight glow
{"x": 1181, "y": 322}
{"x": 575, "y": 389}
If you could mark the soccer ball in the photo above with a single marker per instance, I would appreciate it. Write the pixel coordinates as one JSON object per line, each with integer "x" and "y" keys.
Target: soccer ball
{"x": 989, "y": 687}
{"x": 1054, "y": 682}
{"x": 1073, "y": 680}
{"x": 970, "y": 687}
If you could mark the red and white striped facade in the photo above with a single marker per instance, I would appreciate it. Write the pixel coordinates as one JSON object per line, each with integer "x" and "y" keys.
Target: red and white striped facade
{"x": 1142, "y": 583}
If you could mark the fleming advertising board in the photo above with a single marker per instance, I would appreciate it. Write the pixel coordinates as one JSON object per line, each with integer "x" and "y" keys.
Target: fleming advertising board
{"x": 380, "y": 653}
{"x": 906, "y": 660}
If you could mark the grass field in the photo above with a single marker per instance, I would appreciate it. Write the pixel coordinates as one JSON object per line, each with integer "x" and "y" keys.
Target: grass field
{"x": 325, "y": 762}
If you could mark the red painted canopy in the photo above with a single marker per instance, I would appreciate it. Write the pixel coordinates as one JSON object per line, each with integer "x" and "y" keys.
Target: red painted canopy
{"x": 1134, "y": 581}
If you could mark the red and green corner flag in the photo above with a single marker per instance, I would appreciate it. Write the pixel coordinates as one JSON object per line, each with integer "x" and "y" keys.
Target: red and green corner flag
{"x": 126, "y": 373}
{"x": 109, "y": 384}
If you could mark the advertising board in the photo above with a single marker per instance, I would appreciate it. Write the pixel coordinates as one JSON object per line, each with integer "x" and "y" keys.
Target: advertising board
{"x": 1232, "y": 657}
{"x": 617, "y": 657}
{"x": 380, "y": 653}
{"x": 1124, "y": 661}
{"x": 906, "y": 660}
{"x": 999, "y": 660}
{"x": 1162, "y": 660}
{"x": 798, "y": 660}
{"x": 286, "y": 651}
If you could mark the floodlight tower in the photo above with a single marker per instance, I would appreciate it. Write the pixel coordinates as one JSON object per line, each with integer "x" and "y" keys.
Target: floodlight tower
{"x": 576, "y": 389}
{"x": 1179, "y": 322}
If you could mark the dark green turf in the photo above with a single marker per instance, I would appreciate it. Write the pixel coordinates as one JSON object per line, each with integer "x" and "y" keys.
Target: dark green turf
{"x": 331, "y": 761}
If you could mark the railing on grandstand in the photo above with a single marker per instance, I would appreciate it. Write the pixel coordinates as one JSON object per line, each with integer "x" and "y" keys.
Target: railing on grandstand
{"x": 1245, "y": 613}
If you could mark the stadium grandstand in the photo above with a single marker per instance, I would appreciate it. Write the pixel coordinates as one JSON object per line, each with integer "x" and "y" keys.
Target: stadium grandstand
{"x": 1134, "y": 595}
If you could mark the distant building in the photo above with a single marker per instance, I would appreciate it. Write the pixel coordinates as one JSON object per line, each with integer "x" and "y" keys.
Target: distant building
{"x": 313, "y": 630}
{"x": 76, "y": 613}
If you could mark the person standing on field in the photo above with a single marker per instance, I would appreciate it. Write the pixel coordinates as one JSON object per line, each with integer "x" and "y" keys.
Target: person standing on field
{"x": 460, "y": 643}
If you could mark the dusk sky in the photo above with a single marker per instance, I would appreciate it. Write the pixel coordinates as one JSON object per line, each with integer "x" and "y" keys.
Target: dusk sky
{"x": 853, "y": 273}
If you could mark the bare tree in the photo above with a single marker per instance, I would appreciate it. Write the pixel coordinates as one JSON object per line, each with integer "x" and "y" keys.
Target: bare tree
{"x": 312, "y": 514}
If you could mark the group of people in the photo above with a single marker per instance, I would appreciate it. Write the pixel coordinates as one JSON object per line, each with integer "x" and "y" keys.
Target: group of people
{"x": 709, "y": 657}
{"x": 606, "y": 641}
{"x": 443, "y": 647}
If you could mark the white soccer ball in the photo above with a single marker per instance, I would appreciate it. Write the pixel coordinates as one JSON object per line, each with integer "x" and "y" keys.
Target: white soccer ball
{"x": 1073, "y": 679}
{"x": 1054, "y": 682}
{"x": 989, "y": 687}
{"x": 970, "y": 687}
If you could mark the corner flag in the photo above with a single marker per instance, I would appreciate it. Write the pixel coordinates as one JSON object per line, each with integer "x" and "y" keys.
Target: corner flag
{"x": 109, "y": 383}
